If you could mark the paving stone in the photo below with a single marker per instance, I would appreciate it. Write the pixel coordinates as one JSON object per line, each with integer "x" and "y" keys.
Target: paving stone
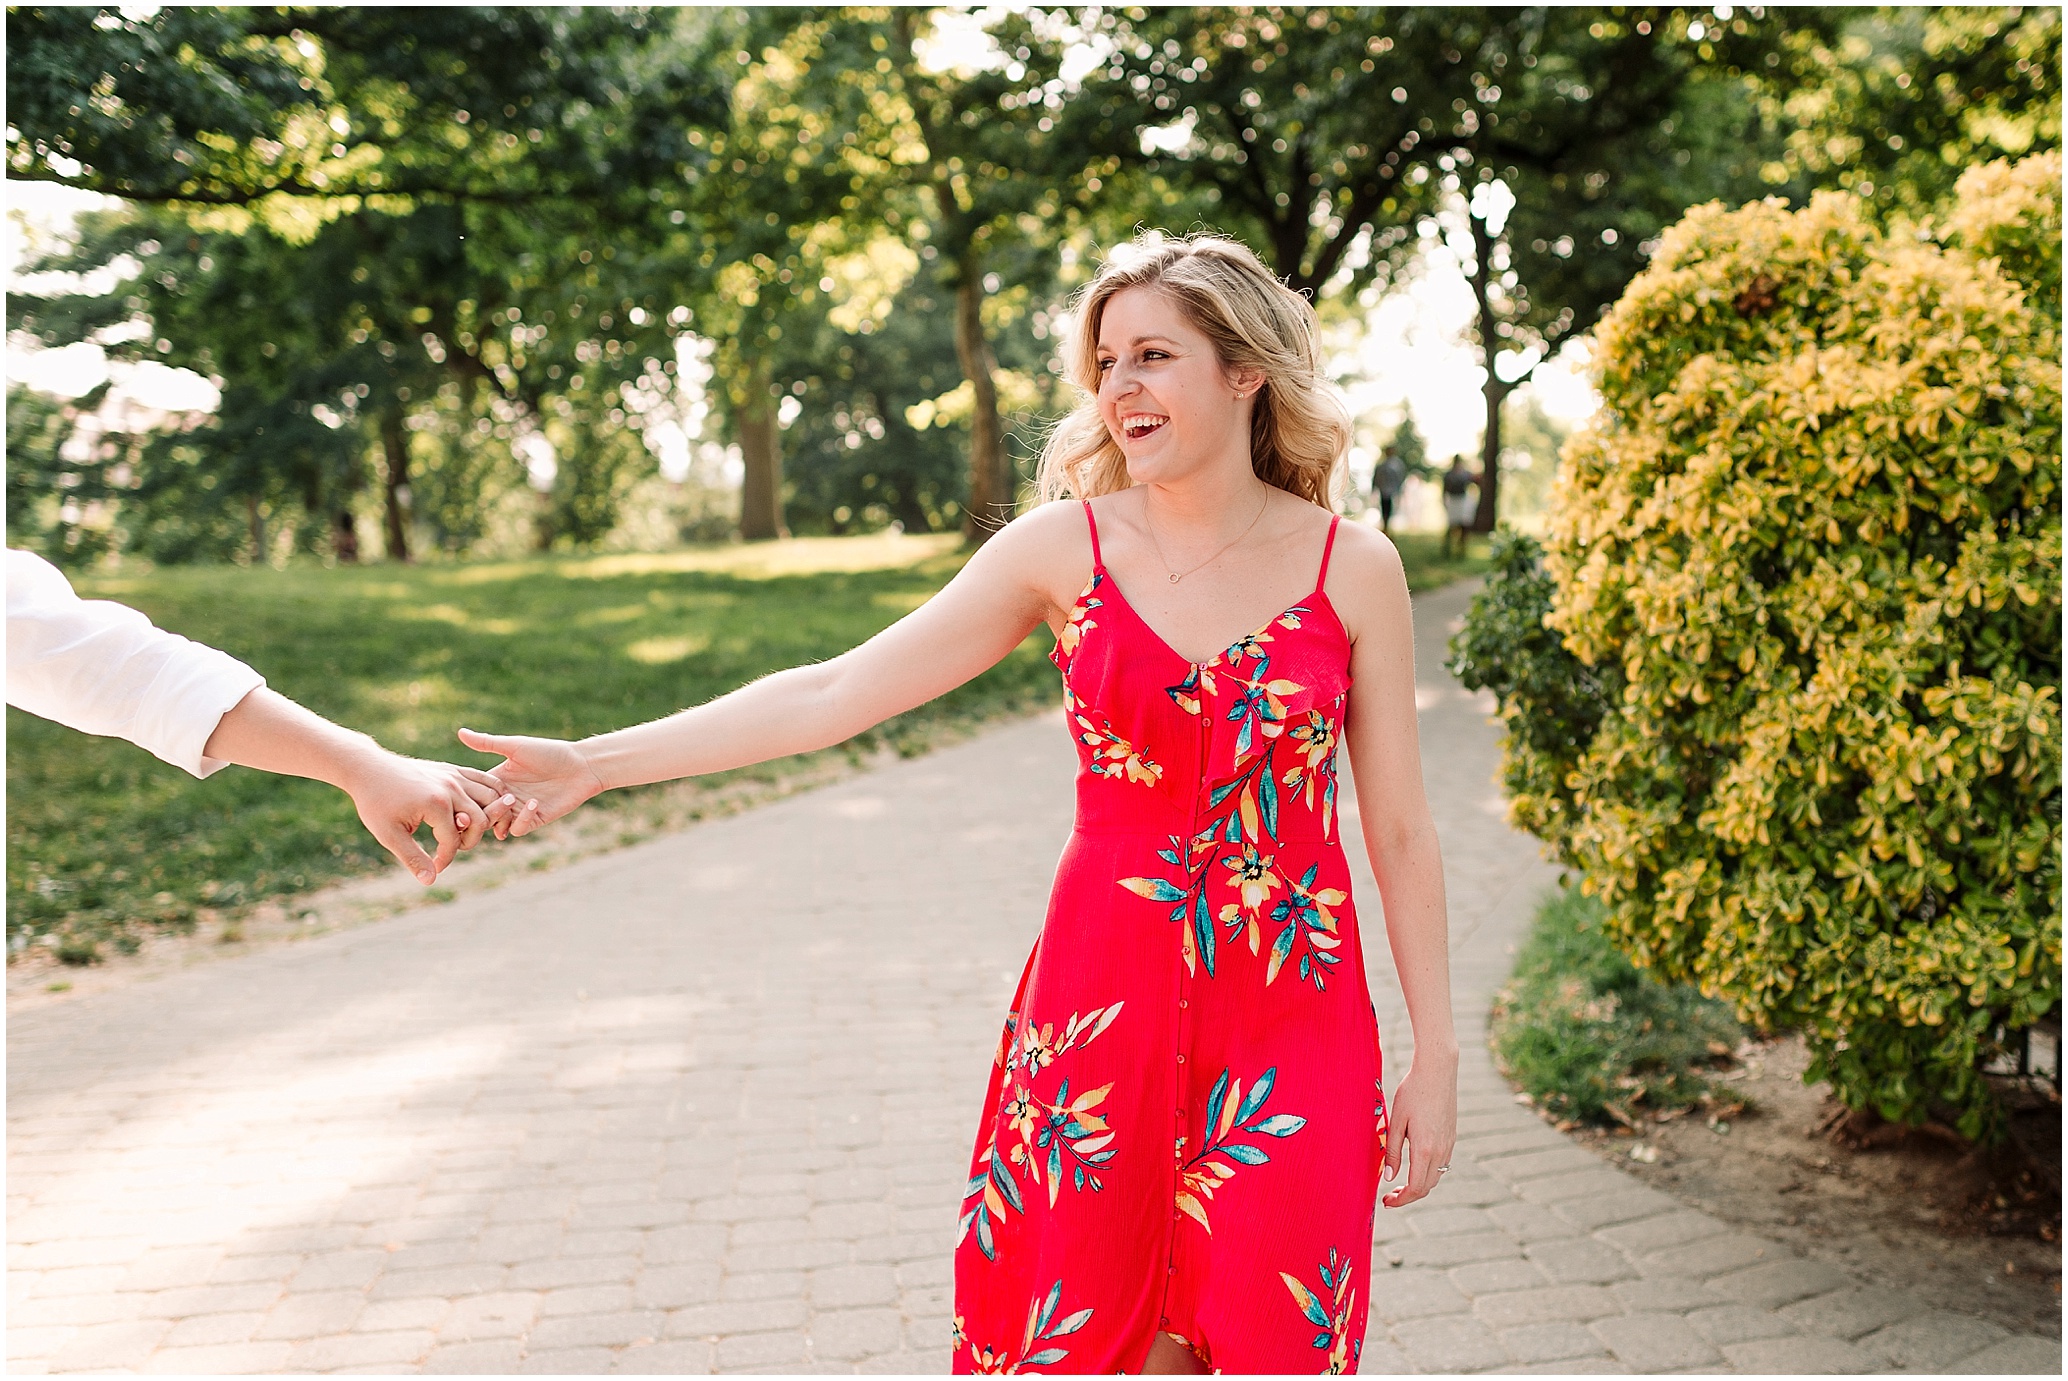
{"x": 855, "y": 1333}
{"x": 310, "y": 1316}
{"x": 393, "y": 1315}
{"x": 1933, "y": 1341}
{"x": 760, "y": 1349}
{"x": 1853, "y": 1312}
{"x": 1577, "y": 1366}
{"x": 110, "y": 1346}
{"x": 1455, "y": 1251}
{"x": 567, "y": 1361}
{"x": 1414, "y": 1294}
{"x": 744, "y": 1316}
{"x": 844, "y": 1287}
{"x": 1623, "y": 1201}
{"x": 1550, "y": 1342}
{"x": 667, "y": 1359}
{"x": 1802, "y": 1355}
{"x": 597, "y": 1330}
{"x": 1446, "y": 1221}
{"x": 207, "y": 1329}
{"x": 227, "y": 1359}
{"x": 1451, "y": 1343}
{"x": 1563, "y": 1159}
{"x": 1529, "y": 1222}
{"x": 1775, "y": 1283}
{"x": 1739, "y": 1323}
{"x": 1487, "y": 1277}
{"x": 496, "y": 1357}
{"x": 1548, "y": 1304}
{"x": 1663, "y": 1295}
{"x": 1712, "y": 1256}
{"x": 482, "y": 1318}
{"x": 2026, "y": 1356}
{"x": 1596, "y": 1184}
{"x": 361, "y": 1350}
{"x": 1658, "y": 1231}
{"x": 1579, "y": 1260}
{"x": 1654, "y": 1342}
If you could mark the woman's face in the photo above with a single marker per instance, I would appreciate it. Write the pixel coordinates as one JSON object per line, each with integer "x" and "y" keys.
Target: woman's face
{"x": 1166, "y": 400}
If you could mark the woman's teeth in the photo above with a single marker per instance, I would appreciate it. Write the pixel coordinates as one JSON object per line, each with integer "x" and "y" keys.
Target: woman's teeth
{"x": 1139, "y": 427}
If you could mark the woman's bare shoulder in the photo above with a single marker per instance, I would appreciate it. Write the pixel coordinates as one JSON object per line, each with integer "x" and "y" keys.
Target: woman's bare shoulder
{"x": 1366, "y": 580}
{"x": 1048, "y": 547}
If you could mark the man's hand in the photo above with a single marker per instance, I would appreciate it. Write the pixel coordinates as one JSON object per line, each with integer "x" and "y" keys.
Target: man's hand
{"x": 395, "y": 794}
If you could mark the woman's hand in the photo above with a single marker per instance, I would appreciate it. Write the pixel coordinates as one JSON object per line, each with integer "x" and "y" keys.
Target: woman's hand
{"x": 545, "y": 777}
{"x": 1425, "y": 1121}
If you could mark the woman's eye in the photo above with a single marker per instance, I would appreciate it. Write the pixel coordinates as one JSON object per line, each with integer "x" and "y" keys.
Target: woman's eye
{"x": 1105, "y": 365}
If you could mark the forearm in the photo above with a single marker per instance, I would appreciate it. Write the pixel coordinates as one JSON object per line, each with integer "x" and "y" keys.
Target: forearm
{"x": 268, "y": 731}
{"x": 1408, "y": 863}
{"x": 793, "y": 711}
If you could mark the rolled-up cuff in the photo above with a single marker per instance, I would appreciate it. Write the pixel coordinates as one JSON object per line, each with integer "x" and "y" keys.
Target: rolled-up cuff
{"x": 185, "y": 703}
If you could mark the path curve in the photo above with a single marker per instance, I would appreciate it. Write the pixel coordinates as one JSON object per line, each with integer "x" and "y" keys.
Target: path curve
{"x": 706, "y": 1104}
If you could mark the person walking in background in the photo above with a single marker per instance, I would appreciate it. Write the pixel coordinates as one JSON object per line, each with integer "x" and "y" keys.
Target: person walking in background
{"x": 103, "y": 668}
{"x": 1199, "y": 982}
{"x": 1460, "y": 503}
{"x": 1386, "y": 479}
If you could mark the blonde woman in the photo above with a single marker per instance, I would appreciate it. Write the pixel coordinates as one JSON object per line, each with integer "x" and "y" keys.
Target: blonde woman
{"x": 1186, "y": 1128}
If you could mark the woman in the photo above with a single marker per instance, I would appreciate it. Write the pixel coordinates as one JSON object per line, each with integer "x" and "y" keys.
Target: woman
{"x": 1199, "y": 984}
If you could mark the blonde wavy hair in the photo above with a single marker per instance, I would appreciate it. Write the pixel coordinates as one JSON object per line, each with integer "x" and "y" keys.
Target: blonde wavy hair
{"x": 1299, "y": 433}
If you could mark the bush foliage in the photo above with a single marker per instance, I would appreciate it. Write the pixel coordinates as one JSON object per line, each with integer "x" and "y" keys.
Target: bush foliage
{"x": 1806, "y": 569}
{"x": 1590, "y": 1037}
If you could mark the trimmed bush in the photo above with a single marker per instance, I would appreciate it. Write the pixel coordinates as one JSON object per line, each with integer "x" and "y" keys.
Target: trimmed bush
{"x": 1809, "y": 559}
{"x": 1591, "y": 1038}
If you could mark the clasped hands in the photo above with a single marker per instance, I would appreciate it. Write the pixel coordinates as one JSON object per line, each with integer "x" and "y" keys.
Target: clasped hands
{"x": 538, "y": 780}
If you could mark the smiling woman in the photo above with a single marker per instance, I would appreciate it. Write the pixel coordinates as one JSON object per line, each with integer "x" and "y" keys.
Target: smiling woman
{"x": 1199, "y": 984}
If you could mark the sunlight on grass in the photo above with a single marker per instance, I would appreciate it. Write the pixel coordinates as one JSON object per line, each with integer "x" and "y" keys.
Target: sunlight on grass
{"x": 660, "y": 651}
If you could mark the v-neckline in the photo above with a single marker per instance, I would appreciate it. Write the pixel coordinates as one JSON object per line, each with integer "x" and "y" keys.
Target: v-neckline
{"x": 1305, "y": 601}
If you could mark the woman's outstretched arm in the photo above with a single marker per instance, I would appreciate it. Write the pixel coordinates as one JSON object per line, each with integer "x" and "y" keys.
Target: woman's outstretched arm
{"x": 981, "y": 616}
{"x": 1400, "y": 837}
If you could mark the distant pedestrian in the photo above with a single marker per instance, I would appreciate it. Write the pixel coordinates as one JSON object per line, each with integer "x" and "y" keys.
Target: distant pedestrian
{"x": 1460, "y": 503}
{"x": 1386, "y": 479}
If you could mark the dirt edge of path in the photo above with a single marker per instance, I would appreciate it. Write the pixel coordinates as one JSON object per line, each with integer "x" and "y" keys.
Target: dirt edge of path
{"x": 1903, "y": 1215}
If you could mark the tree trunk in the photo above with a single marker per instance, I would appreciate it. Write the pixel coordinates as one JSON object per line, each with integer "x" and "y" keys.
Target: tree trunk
{"x": 345, "y": 542}
{"x": 1496, "y": 391}
{"x": 991, "y": 497}
{"x": 258, "y": 529}
{"x": 395, "y": 450}
{"x": 761, "y": 453}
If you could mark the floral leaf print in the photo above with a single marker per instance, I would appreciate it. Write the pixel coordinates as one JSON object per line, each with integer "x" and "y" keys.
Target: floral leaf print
{"x": 1198, "y": 684}
{"x": 1050, "y": 1130}
{"x": 1307, "y": 922}
{"x": 1111, "y": 755}
{"x": 1081, "y": 621}
{"x": 1315, "y": 763}
{"x": 1229, "y": 1112}
{"x": 1042, "y": 1327}
{"x": 1330, "y": 1312}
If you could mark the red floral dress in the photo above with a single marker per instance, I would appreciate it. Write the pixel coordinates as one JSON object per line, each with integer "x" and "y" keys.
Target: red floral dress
{"x": 1186, "y": 1118}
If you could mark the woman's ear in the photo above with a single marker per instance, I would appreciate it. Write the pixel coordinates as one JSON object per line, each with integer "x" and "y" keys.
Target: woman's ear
{"x": 1246, "y": 382}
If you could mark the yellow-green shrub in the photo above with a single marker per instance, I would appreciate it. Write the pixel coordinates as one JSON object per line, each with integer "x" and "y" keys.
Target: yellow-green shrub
{"x": 1814, "y": 536}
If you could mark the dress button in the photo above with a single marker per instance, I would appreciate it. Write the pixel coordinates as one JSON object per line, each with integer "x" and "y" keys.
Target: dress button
{"x": 1183, "y": 1003}
{"x": 1181, "y": 1059}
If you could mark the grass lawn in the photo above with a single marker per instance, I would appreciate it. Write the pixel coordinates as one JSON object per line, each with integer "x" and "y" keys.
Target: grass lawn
{"x": 1590, "y": 1038}
{"x": 103, "y": 838}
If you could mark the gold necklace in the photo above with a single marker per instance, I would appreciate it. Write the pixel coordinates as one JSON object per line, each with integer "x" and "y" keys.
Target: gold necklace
{"x": 1176, "y": 576}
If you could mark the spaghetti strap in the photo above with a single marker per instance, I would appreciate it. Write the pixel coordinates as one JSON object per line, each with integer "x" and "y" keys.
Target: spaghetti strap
{"x": 1320, "y": 581}
{"x": 1098, "y": 563}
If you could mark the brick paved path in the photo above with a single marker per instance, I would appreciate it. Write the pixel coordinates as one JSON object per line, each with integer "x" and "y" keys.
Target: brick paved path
{"x": 706, "y": 1103}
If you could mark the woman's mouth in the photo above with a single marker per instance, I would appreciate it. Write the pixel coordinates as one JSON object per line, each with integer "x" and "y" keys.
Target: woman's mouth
{"x": 1140, "y": 425}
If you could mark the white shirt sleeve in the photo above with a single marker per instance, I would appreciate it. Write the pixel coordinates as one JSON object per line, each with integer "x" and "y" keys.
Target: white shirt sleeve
{"x": 103, "y": 668}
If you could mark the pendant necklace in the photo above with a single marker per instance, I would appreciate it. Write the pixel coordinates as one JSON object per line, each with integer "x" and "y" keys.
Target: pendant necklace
{"x": 1176, "y": 576}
